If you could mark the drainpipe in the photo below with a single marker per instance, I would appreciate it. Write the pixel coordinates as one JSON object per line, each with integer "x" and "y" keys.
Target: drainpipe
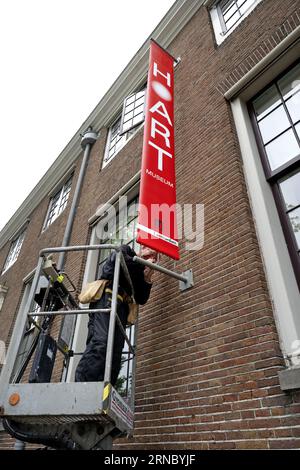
{"x": 68, "y": 323}
{"x": 87, "y": 141}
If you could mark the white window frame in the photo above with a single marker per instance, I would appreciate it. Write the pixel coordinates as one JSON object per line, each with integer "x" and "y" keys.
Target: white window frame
{"x": 283, "y": 288}
{"x": 218, "y": 21}
{"x": 125, "y": 135}
{"x": 60, "y": 194}
{"x": 14, "y": 251}
{"x": 137, "y": 100}
{"x": 3, "y": 292}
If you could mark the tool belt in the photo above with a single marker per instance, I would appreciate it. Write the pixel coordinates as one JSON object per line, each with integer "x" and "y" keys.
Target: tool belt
{"x": 122, "y": 298}
{"x": 133, "y": 307}
{"x": 93, "y": 292}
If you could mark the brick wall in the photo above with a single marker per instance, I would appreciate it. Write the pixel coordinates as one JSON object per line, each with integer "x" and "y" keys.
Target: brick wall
{"x": 208, "y": 358}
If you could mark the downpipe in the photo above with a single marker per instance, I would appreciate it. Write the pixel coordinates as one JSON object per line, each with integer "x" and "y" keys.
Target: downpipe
{"x": 87, "y": 141}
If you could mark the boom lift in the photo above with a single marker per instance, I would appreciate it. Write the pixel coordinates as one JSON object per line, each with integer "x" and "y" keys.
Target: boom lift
{"x": 67, "y": 415}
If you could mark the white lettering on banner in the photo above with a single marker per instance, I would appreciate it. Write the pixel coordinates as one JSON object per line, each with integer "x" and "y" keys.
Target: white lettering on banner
{"x": 156, "y": 71}
{"x": 159, "y": 178}
{"x": 161, "y": 153}
{"x": 164, "y": 112}
{"x": 166, "y": 134}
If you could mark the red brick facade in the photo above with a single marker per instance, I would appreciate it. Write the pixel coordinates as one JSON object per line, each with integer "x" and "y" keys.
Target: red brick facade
{"x": 208, "y": 358}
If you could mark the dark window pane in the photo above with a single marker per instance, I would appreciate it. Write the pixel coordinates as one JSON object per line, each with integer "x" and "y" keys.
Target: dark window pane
{"x": 295, "y": 221}
{"x": 267, "y": 101}
{"x": 290, "y": 188}
{"x": 282, "y": 149}
{"x": 273, "y": 124}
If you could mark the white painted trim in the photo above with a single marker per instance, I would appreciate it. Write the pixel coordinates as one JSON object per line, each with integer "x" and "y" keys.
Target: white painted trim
{"x": 133, "y": 75}
{"x": 280, "y": 276}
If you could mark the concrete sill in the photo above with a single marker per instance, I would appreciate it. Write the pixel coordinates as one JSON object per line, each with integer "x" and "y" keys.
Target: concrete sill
{"x": 289, "y": 379}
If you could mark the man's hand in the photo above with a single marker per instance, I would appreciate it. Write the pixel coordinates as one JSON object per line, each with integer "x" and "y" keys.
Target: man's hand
{"x": 148, "y": 272}
{"x": 149, "y": 255}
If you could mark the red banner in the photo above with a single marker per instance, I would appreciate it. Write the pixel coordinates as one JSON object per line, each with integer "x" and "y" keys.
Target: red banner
{"x": 157, "y": 225}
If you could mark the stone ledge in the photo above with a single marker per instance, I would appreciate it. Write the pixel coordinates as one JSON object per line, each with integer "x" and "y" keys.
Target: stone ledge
{"x": 289, "y": 379}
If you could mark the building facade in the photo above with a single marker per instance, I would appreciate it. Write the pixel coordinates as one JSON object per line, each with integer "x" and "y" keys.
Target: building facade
{"x": 218, "y": 364}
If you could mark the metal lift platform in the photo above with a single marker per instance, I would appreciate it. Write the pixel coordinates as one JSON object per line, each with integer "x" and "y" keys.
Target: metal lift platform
{"x": 73, "y": 415}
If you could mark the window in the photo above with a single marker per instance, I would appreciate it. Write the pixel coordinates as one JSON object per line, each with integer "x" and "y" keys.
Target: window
{"x": 276, "y": 117}
{"x": 3, "y": 292}
{"x": 126, "y": 124}
{"x": 31, "y": 332}
{"x": 133, "y": 111}
{"x": 58, "y": 203}
{"x": 227, "y": 14}
{"x": 126, "y": 224}
{"x": 14, "y": 251}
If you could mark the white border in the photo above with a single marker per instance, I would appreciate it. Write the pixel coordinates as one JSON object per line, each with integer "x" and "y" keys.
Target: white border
{"x": 280, "y": 276}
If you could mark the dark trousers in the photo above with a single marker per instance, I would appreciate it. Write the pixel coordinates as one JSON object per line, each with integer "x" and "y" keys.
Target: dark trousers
{"x": 92, "y": 363}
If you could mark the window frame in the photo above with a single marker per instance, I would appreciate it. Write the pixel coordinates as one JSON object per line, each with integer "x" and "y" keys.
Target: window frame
{"x": 133, "y": 126}
{"x": 273, "y": 177}
{"x": 15, "y": 243}
{"x": 133, "y": 200}
{"x": 3, "y": 294}
{"x": 61, "y": 192}
{"x": 128, "y": 133}
{"x": 219, "y": 24}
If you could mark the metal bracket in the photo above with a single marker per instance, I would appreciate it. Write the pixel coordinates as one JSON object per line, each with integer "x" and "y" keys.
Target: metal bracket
{"x": 184, "y": 285}
{"x": 185, "y": 279}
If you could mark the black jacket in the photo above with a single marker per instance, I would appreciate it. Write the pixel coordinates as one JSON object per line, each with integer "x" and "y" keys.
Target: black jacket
{"x": 141, "y": 287}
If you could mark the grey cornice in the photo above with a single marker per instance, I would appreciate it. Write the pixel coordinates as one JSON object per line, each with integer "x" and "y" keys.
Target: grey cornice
{"x": 133, "y": 75}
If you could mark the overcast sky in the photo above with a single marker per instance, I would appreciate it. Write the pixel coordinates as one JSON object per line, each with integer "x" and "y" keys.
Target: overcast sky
{"x": 58, "y": 58}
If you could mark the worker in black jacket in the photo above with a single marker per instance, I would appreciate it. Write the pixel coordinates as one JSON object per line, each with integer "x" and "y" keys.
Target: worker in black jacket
{"x": 92, "y": 363}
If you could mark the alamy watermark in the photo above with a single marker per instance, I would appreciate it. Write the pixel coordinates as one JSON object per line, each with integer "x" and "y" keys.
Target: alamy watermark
{"x": 114, "y": 223}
